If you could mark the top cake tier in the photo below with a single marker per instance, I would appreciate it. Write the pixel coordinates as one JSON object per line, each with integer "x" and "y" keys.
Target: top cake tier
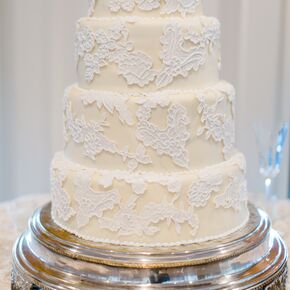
{"x": 144, "y": 8}
{"x": 132, "y": 53}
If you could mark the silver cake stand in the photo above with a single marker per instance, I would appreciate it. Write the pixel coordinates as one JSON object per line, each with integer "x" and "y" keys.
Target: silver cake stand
{"x": 47, "y": 257}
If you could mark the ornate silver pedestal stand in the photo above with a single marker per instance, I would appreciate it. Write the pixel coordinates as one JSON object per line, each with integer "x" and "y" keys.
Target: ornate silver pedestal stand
{"x": 47, "y": 257}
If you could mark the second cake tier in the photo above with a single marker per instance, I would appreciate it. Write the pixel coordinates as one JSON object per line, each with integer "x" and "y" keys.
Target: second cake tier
{"x": 168, "y": 131}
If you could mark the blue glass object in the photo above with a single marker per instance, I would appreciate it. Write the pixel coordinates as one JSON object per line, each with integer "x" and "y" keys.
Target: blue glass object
{"x": 271, "y": 147}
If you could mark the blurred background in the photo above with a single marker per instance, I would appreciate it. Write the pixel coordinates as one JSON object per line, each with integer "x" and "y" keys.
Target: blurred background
{"x": 37, "y": 63}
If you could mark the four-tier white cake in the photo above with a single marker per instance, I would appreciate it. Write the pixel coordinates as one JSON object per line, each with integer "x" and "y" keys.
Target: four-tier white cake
{"x": 149, "y": 158}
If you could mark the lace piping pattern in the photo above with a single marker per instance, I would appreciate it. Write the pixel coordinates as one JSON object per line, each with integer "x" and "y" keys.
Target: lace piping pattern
{"x": 111, "y": 102}
{"x": 128, "y": 222}
{"x": 212, "y": 182}
{"x": 121, "y": 215}
{"x": 235, "y": 193}
{"x": 61, "y": 200}
{"x": 140, "y": 182}
{"x": 91, "y": 134}
{"x": 92, "y": 203}
{"x": 92, "y": 6}
{"x": 216, "y": 125}
{"x": 200, "y": 192}
{"x": 183, "y": 51}
{"x": 169, "y": 141}
{"x": 170, "y": 6}
{"x": 152, "y": 244}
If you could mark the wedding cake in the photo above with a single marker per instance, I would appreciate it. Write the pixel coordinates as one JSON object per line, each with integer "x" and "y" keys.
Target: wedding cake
{"x": 149, "y": 157}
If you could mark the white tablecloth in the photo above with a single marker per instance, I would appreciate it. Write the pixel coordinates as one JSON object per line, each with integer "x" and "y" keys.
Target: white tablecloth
{"x": 15, "y": 214}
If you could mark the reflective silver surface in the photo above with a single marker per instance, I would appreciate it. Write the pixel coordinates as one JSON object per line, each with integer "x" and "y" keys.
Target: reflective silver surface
{"x": 51, "y": 236}
{"x": 51, "y": 258}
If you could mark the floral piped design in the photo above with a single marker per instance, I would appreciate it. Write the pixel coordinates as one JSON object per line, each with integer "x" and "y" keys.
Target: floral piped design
{"x": 169, "y": 141}
{"x": 182, "y": 6}
{"x": 117, "y": 5}
{"x": 217, "y": 125}
{"x": 168, "y": 6}
{"x": 90, "y": 134}
{"x": 60, "y": 198}
{"x": 202, "y": 190}
{"x": 235, "y": 193}
{"x": 92, "y": 6}
{"x": 92, "y": 203}
{"x": 183, "y": 51}
{"x": 111, "y": 46}
{"x": 104, "y": 197}
{"x": 128, "y": 222}
{"x": 111, "y": 101}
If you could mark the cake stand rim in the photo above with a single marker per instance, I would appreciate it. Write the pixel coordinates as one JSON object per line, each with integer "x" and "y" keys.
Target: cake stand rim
{"x": 261, "y": 278}
{"x": 78, "y": 249}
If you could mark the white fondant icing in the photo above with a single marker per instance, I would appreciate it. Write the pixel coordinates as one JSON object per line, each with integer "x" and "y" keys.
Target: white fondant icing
{"x": 119, "y": 205}
{"x": 144, "y": 7}
{"x": 170, "y": 6}
{"x": 170, "y": 140}
{"x": 92, "y": 6}
{"x": 181, "y": 49}
{"x": 160, "y": 131}
{"x": 149, "y": 158}
{"x": 215, "y": 124}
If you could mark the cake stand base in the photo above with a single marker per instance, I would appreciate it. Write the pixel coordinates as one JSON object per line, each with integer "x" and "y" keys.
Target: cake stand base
{"x": 47, "y": 257}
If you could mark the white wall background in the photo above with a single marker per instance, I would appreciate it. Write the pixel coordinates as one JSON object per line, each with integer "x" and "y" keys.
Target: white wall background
{"x": 37, "y": 62}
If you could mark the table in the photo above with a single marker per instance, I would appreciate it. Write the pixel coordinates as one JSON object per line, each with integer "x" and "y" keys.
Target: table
{"x": 14, "y": 216}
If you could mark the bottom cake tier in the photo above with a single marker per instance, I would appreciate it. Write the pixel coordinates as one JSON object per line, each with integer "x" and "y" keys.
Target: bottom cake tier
{"x": 149, "y": 209}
